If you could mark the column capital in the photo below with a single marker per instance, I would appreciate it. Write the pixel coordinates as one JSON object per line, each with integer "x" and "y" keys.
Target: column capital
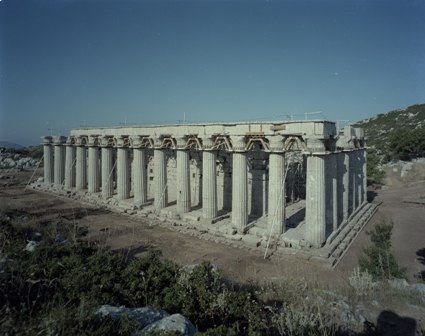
{"x": 59, "y": 140}
{"x": 122, "y": 141}
{"x": 181, "y": 142}
{"x": 315, "y": 144}
{"x": 276, "y": 143}
{"x": 81, "y": 140}
{"x": 208, "y": 142}
{"x": 47, "y": 140}
{"x": 136, "y": 141}
{"x": 93, "y": 140}
{"x": 104, "y": 140}
{"x": 238, "y": 143}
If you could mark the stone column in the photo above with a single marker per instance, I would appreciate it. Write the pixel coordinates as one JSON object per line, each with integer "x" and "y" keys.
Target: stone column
{"x": 139, "y": 176}
{"x": 341, "y": 191}
{"x": 48, "y": 159}
{"x": 353, "y": 172}
{"x": 209, "y": 179}
{"x": 183, "y": 177}
{"x": 70, "y": 166}
{"x": 59, "y": 160}
{"x": 107, "y": 171}
{"x": 160, "y": 179}
{"x": 81, "y": 168}
{"x": 315, "y": 200}
{"x": 239, "y": 185}
{"x": 364, "y": 175}
{"x": 359, "y": 160}
{"x": 331, "y": 191}
{"x": 346, "y": 182}
{"x": 93, "y": 171}
{"x": 123, "y": 173}
{"x": 277, "y": 187}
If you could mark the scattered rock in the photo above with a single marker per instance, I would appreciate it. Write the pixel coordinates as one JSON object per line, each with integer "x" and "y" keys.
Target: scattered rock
{"x": 347, "y": 316}
{"x": 406, "y": 167}
{"x": 420, "y": 289}
{"x": 40, "y": 179}
{"x": 145, "y": 316}
{"x": 175, "y": 322}
{"x": 61, "y": 240}
{"x": 34, "y": 236}
{"x": 32, "y": 244}
{"x": 399, "y": 283}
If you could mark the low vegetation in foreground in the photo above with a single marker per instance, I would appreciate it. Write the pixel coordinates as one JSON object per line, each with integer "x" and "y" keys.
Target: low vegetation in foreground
{"x": 56, "y": 288}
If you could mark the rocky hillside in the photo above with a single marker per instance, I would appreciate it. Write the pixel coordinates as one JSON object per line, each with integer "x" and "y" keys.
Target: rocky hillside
{"x": 378, "y": 128}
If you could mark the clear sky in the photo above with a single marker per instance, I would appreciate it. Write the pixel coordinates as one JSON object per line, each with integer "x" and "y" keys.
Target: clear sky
{"x": 68, "y": 63}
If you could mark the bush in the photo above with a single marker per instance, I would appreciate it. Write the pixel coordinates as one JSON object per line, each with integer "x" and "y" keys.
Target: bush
{"x": 377, "y": 259}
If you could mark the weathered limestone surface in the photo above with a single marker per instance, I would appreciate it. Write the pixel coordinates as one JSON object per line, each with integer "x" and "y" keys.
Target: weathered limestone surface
{"x": 93, "y": 170}
{"x": 316, "y": 200}
{"x": 107, "y": 173}
{"x": 81, "y": 169}
{"x": 123, "y": 174}
{"x": 209, "y": 190}
{"x": 240, "y": 191}
{"x": 59, "y": 161}
{"x": 139, "y": 176}
{"x": 70, "y": 167}
{"x": 161, "y": 197}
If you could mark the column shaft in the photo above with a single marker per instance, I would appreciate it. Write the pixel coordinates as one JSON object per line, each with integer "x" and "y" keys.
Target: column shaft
{"x": 331, "y": 192}
{"x": 70, "y": 167}
{"x": 81, "y": 168}
{"x": 107, "y": 174}
{"x": 346, "y": 181}
{"x": 239, "y": 191}
{"x": 123, "y": 174}
{"x": 59, "y": 174}
{"x": 139, "y": 176}
{"x": 364, "y": 176}
{"x": 93, "y": 170}
{"x": 277, "y": 188}
{"x": 48, "y": 164}
{"x": 315, "y": 201}
{"x": 341, "y": 171}
{"x": 183, "y": 181}
{"x": 161, "y": 197}
{"x": 209, "y": 184}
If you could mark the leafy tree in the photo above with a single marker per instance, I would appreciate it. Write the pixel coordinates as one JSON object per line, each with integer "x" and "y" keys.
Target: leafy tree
{"x": 374, "y": 174}
{"x": 405, "y": 143}
{"x": 377, "y": 259}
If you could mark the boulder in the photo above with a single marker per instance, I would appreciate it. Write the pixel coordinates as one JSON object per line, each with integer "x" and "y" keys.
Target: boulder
{"x": 32, "y": 244}
{"x": 145, "y": 316}
{"x": 399, "y": 283}
{"x": 420, "y": 289}
{"x": 406, "y": 167}
{"x": 175, "y": 322}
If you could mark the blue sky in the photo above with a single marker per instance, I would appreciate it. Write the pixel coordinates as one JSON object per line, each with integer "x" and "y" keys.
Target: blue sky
{"x": 67, "y": 63}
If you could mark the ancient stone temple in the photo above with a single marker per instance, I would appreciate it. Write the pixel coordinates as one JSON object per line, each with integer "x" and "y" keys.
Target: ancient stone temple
{"x": 292, "y": 186}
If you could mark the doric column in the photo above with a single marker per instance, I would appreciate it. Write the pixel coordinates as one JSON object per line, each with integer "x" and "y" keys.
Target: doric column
{"x": 59, "y": 160}
{"x": 107, "y": 169}
{"x": 364, "y": 176}
{"x": 81, "y": 168}
{"x": 277, "y": 187}
{"x": 123, "y": 171}
{"x": 160, "y": 177}
{"x": 353, "y": 172}
{"x": 93, "y": 171}
{"x": 347, "y": 190}
{"x": 139, "y": 172}
{"x": 331, "y": 191}
{"x": 48, "y": 159}
{"x": 239, "y": 184}
{"x": 70, "y": 165}
{"x": 183, "y": 177}
{"x": 359, "y": 160}
{"x": 209, "y": 179}
{"x": 341, "y": 191}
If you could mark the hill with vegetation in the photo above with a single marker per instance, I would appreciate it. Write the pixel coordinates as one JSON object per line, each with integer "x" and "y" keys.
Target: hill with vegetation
{"x": 379, "y": 128}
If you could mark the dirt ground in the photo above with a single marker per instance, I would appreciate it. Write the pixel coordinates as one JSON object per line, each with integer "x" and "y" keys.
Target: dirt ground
{"x": 134, "y": 237}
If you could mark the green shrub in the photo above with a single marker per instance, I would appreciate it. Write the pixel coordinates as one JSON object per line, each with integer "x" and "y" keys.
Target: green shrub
{"x": 377, "y": 259}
